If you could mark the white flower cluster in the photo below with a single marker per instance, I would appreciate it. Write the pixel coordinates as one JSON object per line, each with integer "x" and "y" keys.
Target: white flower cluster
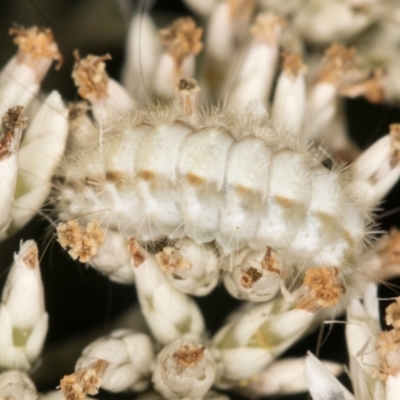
{"x": 174, "y": 199}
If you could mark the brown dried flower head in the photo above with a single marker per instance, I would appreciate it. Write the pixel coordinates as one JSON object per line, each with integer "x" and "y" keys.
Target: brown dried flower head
{"x": 322, "y": 289}
{"x": 181, "y": 39}
{"x": 13, "y": 123}
{"x": 35, "y": 44}
{"x": 90, "y": 76}
{"x": 170, "y": 259}
{"x": 83, "y": 242}
{"x": 84, "y": 381}
{"x": 189, "y": 355}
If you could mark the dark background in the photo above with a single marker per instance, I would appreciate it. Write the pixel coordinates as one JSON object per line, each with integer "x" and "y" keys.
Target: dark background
{"x": 77, "y": 298}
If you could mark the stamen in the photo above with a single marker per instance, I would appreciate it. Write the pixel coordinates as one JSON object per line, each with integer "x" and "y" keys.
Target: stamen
{"x": 187, "y": 90}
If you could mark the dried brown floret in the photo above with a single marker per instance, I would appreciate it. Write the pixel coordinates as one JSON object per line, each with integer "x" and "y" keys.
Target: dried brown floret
{"x": 249, "y": 276}
{"x": 189, "y": 355}
{"x": 388, "y": 346}
{"x": 137, "y": 255}
{"x": 170, "y": 259}
{"x": 181, "y": 39}
{"x": 393, "y": 314}
{"x": 90, "y": 76}
{"x": 30, "y": 257}
{"x": 293, "y": 65}
{"x": 84, "y": 381}
{"x": 322, "y": 289}
{"x": 394, "y": 144}
{"x": 267, "y": 27}
{"x": 270, "y": 261}
{"x": 370, "y": 87}
{"x": 35, "y": 44}
{"x": 83, "y": 242}
{"x": 341, "y": 66}
{"x": 13, "y": 123}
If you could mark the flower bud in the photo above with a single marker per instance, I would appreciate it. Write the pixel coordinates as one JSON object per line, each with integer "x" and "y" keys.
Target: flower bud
{"x": 255, "y": 275}
{"x": 23, "y": 320}
{"x": 169, "y": 313}
{"x": 257, "y": 336}
{"x": 184, "y": 370}
{"x": 113, "y": 258}
{"x": 13, "y": 123}
{"x": 17, "y": 385}
{"x": 20, "y": 78}
{"x": 38, "y": 158}
{"x": 190, "y": 267}
{"x": 129, "y": 354}
{"x": 377, "y": 169}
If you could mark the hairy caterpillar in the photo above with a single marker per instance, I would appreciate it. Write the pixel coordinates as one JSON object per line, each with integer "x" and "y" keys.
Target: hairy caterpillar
{"x": 239, "y": 182}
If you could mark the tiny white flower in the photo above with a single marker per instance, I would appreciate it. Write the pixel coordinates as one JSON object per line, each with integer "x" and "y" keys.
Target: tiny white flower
{"x": 182, "y": 43}
{"x": 377, "y": 169}
{"x": 113, "y": 258}
{"x": 257, "y": 336}
{"x": 169, "y": 313}
{"x": 254, "y": 275}
{"x": 105, "y": 94}
{"x": 38, "y": 158}
{"x": 255, "y": 76}
{"x": 190, "y": 267}
{"x": 184, "y": 370}
{"x": 12, "y": 126}
{"x": 20, "y": 79}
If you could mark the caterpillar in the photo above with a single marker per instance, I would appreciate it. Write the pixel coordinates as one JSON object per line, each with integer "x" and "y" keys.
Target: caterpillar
{"x": 233, "y": 180}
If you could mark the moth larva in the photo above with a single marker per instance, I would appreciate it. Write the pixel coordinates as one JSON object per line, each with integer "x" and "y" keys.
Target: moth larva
{"x": 234, "y": 181}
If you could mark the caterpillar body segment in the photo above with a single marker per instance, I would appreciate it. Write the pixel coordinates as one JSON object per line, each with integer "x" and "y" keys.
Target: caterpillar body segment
{"x": 238, "y": 183}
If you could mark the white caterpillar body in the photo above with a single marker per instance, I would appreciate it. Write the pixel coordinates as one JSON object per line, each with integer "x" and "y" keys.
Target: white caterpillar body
{"x": 238, "y": 183}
